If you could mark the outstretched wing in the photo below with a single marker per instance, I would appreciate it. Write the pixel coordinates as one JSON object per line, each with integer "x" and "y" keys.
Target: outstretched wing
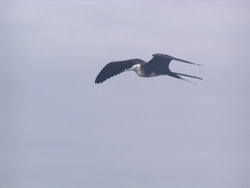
{"x": 168, "y": 58}
{"x": 114, "y": 68}
{"x": 160, "y": 64}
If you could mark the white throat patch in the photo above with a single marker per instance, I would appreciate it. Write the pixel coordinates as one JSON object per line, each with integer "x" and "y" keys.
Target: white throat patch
{"x": 137, "y": 69}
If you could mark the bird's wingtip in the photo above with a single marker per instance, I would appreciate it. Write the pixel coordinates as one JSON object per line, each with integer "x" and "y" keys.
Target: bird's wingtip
{"x": 97, "y": 81}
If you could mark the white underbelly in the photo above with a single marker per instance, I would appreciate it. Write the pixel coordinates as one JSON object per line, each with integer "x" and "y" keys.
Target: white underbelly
{"x": 153, "y": 74}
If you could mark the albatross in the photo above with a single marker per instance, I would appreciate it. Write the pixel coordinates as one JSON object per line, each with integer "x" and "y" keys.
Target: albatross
{"x": 158, "y": 65}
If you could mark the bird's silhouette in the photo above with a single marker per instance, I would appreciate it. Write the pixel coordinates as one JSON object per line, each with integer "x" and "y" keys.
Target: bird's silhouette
{"x": 158, "y": 65}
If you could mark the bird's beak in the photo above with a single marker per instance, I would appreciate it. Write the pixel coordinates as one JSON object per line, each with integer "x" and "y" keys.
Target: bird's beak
{"x": 130, "y": 69}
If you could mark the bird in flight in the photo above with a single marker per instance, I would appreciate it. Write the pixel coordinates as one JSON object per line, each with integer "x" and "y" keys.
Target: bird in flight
{"x": 158, "y": 65}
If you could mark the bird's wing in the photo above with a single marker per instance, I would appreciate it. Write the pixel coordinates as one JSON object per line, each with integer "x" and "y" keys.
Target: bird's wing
{"x": 158, "y": 64}
{"x": 114, "y": 68}
{"x": 164, "y": 58}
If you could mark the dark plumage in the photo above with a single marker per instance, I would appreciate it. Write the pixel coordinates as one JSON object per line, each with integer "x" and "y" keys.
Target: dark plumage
{"x": 158, "y": 65}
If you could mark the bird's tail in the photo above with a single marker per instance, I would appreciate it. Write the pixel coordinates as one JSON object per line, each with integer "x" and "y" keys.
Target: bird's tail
{"x": 180, "y": 74}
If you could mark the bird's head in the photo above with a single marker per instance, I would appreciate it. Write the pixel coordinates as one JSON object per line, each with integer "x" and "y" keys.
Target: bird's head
{"x": 136, "y": 68}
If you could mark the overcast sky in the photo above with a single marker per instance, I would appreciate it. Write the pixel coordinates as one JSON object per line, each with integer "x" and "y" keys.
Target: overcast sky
{"x": 61, "y": 130}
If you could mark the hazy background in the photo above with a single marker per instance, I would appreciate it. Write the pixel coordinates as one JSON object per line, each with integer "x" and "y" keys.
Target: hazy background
{"x": 60, "y": 130}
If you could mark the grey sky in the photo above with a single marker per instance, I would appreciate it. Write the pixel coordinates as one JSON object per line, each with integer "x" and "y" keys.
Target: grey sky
{"x": 59, "y": 129}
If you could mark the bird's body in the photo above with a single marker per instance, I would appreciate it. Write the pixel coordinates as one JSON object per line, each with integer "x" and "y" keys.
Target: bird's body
{"x": 143, "y": 71}
{"x": 158, "y": 65}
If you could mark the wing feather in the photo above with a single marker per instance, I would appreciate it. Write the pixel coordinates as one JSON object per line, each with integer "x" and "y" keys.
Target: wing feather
{"x": 115, "y": 68}
{"x": 160, "y": 63}
{"x": 168, "y": 58}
